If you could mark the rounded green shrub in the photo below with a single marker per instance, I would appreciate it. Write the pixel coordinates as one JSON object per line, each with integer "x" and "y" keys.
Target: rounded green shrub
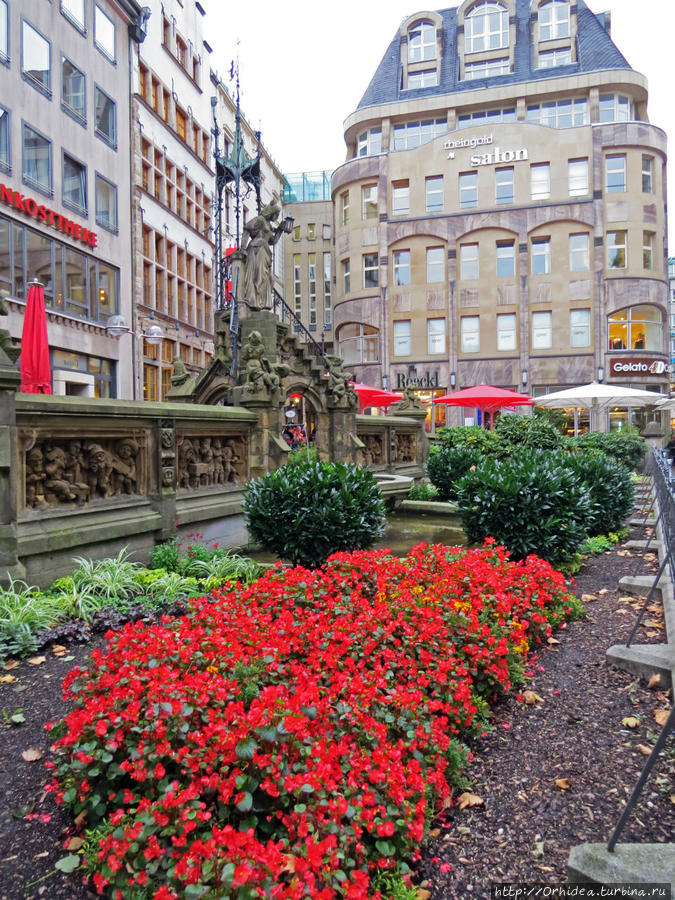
{"x": 623, "y": 447}
{"x": 448, "y": 465}
{"x": 467, "y": 436}
{"x": 305, "y": 512}
{"x": 531, "y": 502}
{"x": 531, "y": 432}
{"x": 611, "y": 489}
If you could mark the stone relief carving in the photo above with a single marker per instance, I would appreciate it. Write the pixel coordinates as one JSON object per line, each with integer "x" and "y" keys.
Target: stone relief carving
{"x": 210, "y": 461}
{"x": 167, "y": 442}
{"x": 261, "y": 377}
{"x": 67, "y": 471}
{"x": 372, "y": 453}
{"x": 405, "y": 449}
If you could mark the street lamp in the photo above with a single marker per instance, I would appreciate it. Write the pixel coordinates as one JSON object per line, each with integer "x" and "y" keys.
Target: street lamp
{"x": 117, "y": 325}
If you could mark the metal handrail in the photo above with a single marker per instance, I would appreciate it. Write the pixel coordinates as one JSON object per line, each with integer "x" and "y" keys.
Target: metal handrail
{"x": 284, "y": 312}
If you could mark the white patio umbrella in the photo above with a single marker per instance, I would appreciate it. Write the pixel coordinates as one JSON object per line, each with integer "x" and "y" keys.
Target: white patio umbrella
{"x": 596, "y": 396}
{"x": 666, "y": 403}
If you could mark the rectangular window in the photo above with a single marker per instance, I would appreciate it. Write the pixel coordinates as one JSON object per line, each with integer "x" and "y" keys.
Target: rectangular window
{"x": 401, "y": 267}
{"x": 487, "y": 68}
{"x": 4, "y": 32}
{"x": 506, "y": 259}
{"x": 409, "y": 135}
{"x": 74, "y": 184}
{"x": 106, "y": 203}
{"x": 181, "y": 123}
{"x": 425, "y": 78}
{"x": 346, "y": 276}
{"x": 5, "y": 157}
{"x": 468, "y": 262}
{"x": 73, "y": 90}
{"x": 344, "y": 208}
{"x": 435, "y": 265}
{"x": 647, "y": 249}
{"x": 434, "y": 193}
{"x": 400, "y": 198}
{"x": 542, "y": 330}
{"x": 614, "y": 108}
{"x": 312, "y": 288}
{"x": 326, "y": 288}
{"x": 616, "y": 249}
{"x": 504, "y": 185}
{"x": 580, "y": 328}
{"x": 541, "y": 256}
{"x": 37, "y": 160}
{"x": 74, "y": 10}
{"x": 435, "y": 336}
{"x": 615, "y": 174}
{"x": 369, "y": 201}
{"x": 105, "y": 122}
{"x": 297, "y": 285}
{"x": 487, "y": 116}
{"x": 580, "y": 260}
{"x": 325, "y": 232}
{"x": 506, "y": 331}
{"x": 370, "y": 270}
{"x": 149, "y": 382}
{"x": 561, "y": 56}
{"x": 577, "y": 177}
{"x": 36, "y": 58}
{"x": 402, "y": 340}
{"x": 554, "y": 21}
{"x": 470, "y": 334}
{"x": 104, "y": 33}
{"x": 311, "y": 231}
{"x": 370, "y": 142}
{"x": 540, "y": 181}
{"x": 647, "y": 170}
{"x": 560, "y": 113}
{"x": 468, "y": 189}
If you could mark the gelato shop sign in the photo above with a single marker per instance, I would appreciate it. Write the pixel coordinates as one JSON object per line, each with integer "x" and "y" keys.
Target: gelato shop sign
{"x": 492, "y": 158}
{"x": 637, "y": 366}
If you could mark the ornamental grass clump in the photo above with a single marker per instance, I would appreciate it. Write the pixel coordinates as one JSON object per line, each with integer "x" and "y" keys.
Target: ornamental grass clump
{"x": 292, "y": 738}
{"x": 308, "y": 510}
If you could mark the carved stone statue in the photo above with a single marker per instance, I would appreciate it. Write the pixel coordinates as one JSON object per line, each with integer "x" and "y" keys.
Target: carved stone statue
{"x": 180, "y": 373}
{"x": 410, "y": 400}
{"x": 99, "y": 470}
{"x": 124, "y": 466}
{"x": 259, "y": 237}
{"x": 372, "y": 451}
{"x": 339, "y": 389}
{"x": 405, "y": 448}
{"x": 35, "y": 477}
{"x": 56, "y": 484}
{"x": 260, "y": 376}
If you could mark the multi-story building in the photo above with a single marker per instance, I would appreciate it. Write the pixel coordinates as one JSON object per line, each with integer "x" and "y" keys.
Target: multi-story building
{"x": 501, "y": 215}
{"x": 671, "y": 291}
{"x": 308, "y": 255}
{"x": 173, "y": 188}
{"x": 65, "y": 173}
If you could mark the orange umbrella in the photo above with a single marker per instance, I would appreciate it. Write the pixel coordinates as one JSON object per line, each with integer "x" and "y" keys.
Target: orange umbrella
{"x": 36, "y": 373}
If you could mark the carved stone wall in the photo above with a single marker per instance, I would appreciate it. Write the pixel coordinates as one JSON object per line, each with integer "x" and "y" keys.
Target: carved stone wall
{"x": 205, "y": 461}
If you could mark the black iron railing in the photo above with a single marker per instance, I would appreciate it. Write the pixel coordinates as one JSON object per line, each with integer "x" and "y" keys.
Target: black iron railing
{"x": 285, "y": 314}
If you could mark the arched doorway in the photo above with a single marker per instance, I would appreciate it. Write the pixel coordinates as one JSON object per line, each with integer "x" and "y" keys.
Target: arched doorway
{"x": 300, "y": 420}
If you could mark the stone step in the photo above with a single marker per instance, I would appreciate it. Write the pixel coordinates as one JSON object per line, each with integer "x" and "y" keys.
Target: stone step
{"x": 629, "y": 863}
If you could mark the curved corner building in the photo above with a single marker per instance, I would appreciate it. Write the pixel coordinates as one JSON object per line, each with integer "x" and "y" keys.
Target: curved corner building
{"x": 501, "y": 217}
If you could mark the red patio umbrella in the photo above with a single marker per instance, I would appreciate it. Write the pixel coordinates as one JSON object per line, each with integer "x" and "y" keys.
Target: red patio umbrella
{"x": 372, "y": 396}
{"x": 486, "y": 398}
{"x": 36, "y": 373}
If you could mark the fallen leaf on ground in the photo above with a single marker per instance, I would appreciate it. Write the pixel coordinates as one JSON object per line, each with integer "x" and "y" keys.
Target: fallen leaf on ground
{"x": 59, "y": 650}
{"x": 11, "y": 664}
{"x": 661, "y": 716}
{"x": 75, "y": 843}
{"x": 80, "y": 819}
{"x": 552, "y": 641}
{"x": 652, "y": 634}
{"x": 603, "y": 591}
{"x": 652, "y": 623}
{"x": 630, "y": 722}
{"x": 626, "y": 599}
{"x": 469, "y": 799}
{"x": 422, "y": 894}
{"x": 588, "y": 598}
{"x": 644, "y": 750}
{"x": 530, "y": 698}
{"x": 654, "y": 681}
{"x": 37, "y": 660}
{"x": 32, "y": 754}
{"x": 434, "y": 832}
{"x": 563, "y": 784}
{"x": 655, "y": 608}
{"x": 7, "y": 679}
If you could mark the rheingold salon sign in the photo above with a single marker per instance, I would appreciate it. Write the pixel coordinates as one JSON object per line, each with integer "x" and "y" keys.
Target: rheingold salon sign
{"x": 637, "y": 365}
{"x": 48, "y": 216}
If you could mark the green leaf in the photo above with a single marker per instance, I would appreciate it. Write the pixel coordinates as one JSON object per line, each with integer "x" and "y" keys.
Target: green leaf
{"x": 245, "y": 803}
{"x": 246, "y": 748}
{"x": 67, "y": 863}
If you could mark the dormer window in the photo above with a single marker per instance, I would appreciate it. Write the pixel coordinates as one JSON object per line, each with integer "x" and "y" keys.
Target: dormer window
{"x": 554, "y": 20}
{"x": 422, "y": 42}
{"x": 548, "y": 59}
{"x": 422, "y": 79}
{"x": 487, "y": 27}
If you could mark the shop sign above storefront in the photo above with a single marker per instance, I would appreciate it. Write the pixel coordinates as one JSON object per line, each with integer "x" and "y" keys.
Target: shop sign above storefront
{"x": 428, "y": 380}
{"x": 621, "y": 367}
{"x": 48, "y": 216}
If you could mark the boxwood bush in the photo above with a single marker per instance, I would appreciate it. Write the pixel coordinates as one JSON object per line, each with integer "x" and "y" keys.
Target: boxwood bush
{"x": 305, "y": 512}
{"x": 448, "y": 465}
{"x": 532, "y": 502}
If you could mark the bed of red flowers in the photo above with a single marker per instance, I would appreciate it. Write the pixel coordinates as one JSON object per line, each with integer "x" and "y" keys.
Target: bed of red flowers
{"x": 293, "y": 738}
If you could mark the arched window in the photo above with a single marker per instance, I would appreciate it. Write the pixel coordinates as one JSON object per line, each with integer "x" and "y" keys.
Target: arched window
{"x": 554, "y": 20}
{"x": 487, "y": 27}
{"x": 422, "y": 42}
{"x": 636, "y": 328}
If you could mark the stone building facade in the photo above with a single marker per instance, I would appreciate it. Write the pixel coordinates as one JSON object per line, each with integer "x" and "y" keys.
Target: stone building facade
{"x": 65, "y": 202}
{"x": 501, "y": 215}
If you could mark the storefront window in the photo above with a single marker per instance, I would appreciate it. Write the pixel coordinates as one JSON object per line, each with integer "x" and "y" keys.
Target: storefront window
{"x": 76, "y": 283}
{"x": 636, "y": 328}
{"x": 39, "y": 262}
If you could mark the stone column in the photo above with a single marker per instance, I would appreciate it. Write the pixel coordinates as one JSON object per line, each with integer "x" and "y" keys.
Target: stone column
{"x": 10, "y": 381}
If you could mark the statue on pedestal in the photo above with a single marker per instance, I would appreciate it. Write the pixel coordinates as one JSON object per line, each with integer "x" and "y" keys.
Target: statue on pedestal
{"x": 259, "y": 238}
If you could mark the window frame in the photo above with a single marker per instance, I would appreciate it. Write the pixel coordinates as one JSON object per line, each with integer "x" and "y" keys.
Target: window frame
{"x": 469, "y": 263}
{"x": 45, "y": 89}
{"x": 430, "y": 191}
{"x": 615, "y": 177}
{"x": 346, "y": 265}
{"x": 401, "y": 268}
{"x": 466, "y": 334}
{"x": 617, "y": 247}
{"x": 435, "y": 266}
{"x": 110, "y": 141}
{"x": 472, "y": 37}
{"x": 556, "y": 21}
{"x": 369, "y": 202}
{"x": 465, "y": 189}
{"x": 551, "y": 59}
{"x": 537, "y": 343}
{"x": 400, "y": 197}
{"x": 505, "y": 185}
{"x": 84, "y": 176}
{"x": 425, "y": 42}
{"x": 621, "y": 108}
{"x": 113, "y": 228}
{"x": 648, "y": 245}
{"x": 5, "y": 140}
{"x": 647, "y": 174}
{"x": 540, "y": 188}
{"x": 80, "y": 118}
{"x": 402, "y": 337}
{"x": 544, "y": 254}
{"x": 27, "y": 179}
{"x": 504, "y": 345}
{"x": 576, "y": 178}
{"x": 99, "y": 46}
{"x": 487, "y": 68}
{"x": 344, "y": 208}
{"x": 81, "y": 25}
{"x": 502, "y": 258}
{"x": 585, "y": 325}
{"x": 4, "y": 51}
{"x": 423, "y": 78}
{"x": 436, "y": 337}
{"x": 370, "y": 280}
{"x": 580, "y": 252}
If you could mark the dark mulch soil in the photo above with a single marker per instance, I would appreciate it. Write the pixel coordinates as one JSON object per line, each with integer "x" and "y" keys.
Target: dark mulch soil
{"x": 526, "y": 824}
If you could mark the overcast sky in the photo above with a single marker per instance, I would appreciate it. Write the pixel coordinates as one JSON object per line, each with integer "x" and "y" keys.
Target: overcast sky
{"x": 305, "y": 64}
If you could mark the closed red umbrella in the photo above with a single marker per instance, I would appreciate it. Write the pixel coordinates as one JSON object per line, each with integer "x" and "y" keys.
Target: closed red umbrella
{"x": 36, "y": 373}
